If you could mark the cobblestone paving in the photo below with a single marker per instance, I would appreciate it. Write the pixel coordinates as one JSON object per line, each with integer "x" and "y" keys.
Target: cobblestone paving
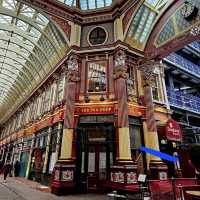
{"x": 13, "y": 189}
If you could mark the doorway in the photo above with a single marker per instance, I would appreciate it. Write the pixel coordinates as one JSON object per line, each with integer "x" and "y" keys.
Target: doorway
{"x": 95, "y": 155}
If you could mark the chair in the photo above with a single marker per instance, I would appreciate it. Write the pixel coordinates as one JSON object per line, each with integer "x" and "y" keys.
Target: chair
{"x": 161, "y": 189}
{"x": 179, "y": 183}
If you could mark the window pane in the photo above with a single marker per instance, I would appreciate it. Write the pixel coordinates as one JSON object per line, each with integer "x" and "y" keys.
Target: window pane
{"x": 96, "y": 77}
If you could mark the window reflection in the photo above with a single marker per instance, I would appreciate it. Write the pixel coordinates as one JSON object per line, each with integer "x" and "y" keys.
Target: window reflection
{"x": 96, "y": 77}
{"x": 155, "y": 88}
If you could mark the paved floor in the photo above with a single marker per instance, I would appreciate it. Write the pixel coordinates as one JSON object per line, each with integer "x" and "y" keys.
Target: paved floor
{"x": 15, "y": 189}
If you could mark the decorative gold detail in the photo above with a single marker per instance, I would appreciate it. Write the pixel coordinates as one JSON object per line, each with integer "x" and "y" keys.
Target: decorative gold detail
{"x": 120, "y": 72}
{"x": 148, "y": 71}
{"x": 73, "y": 76}
{"x": 72, "y": 63}
{"x": 120, "y": 58}
{"x": 72, "y": 69}
{"x": 120, "y": 69}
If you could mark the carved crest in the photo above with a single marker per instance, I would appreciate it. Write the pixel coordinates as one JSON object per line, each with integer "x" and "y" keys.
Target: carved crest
{"x": 72, "y": 63}
{"x": 120, "y": 59}
{"x": 120, "y": 69}
{"x": 148, "y": 70}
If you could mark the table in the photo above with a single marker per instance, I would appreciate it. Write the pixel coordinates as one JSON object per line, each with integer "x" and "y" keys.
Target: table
{"x": 194, "y": 194}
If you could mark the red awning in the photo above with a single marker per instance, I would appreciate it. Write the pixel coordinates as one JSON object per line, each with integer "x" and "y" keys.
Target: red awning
{"x": 171, "y": 130}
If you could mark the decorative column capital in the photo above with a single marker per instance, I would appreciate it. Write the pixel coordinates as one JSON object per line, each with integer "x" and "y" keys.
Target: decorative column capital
{"x": 147, "y": 69}
{"x": 120, "y": 68}
{"x": 72, "y": 65}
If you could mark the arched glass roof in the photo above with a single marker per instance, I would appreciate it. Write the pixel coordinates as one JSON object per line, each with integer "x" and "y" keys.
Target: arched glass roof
{"x": 30, "y": 46}
{"x": 144, "y": 20}
{"x": 88, "y": 4}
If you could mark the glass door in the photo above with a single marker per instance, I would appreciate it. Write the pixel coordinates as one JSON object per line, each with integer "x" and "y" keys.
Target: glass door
{"x": 97, "y": 166}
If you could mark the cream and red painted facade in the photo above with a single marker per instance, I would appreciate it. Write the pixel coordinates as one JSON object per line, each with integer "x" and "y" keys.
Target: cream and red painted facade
{"x": 117, "y": 100}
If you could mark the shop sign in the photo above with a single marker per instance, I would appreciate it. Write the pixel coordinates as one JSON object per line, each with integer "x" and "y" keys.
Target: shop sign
{"x": 67, "y": 175}
{"x": 173, "y": 131}
{"x": 101, "y": 109}
{"x": 131, "y": 178}
{"x": 117, "y": 177}
{"x": 163, "y": 176}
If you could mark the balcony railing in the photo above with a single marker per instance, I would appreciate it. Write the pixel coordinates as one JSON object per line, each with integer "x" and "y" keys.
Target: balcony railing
{"x": 196, "y": 46}
{"x": 184, "y": 101}
{"x": 184, "y": 64}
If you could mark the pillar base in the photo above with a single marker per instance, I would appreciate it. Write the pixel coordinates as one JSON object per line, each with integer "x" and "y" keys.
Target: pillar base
{"x": 123, "y": 177}
{"x": 158, "y": 170}
{"x": 63, "y": 177}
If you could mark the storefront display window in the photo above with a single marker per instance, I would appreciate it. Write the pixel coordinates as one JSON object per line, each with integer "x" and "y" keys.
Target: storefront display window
{"x": 97, "y": 77}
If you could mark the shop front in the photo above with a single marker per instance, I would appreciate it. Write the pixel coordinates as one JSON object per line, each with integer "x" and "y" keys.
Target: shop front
{"x": 95, "y": 150}
{"x": 38, "y": 156}
{"x": 170, "y": 138}
{"x": 24, "y": 155}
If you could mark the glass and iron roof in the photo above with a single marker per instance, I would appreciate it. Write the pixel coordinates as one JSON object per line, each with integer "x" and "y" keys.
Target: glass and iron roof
{"x": 88, "y": 4}
{"x": 144, "y": 20}
{"x": 30, "y": 46}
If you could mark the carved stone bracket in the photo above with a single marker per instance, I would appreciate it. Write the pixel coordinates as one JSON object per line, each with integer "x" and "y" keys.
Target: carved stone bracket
{"x": 120, "y": 68}
{"x": 73, "y": 76}
{"x": 148, "y": 70}
{"x": 73, "y": 69}
{"x": 120, "y": 72}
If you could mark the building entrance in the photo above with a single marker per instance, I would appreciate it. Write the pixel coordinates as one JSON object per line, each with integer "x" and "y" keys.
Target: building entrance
{"x": 95, "y": 155}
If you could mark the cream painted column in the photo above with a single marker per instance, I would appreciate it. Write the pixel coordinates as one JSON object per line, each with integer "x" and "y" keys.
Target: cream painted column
{"x": 72, "y": 78}
{"x": 7, "y": 150}
{"x": 60, "y": 127}
{"x": 124, "y": 145}
{"x": 47, "y": 150}
{"x": 118, "y": 27}
{"x": 2, "y": 156}
{"x": 164, "y": 86}
{"x": 123, "y": 136}
{"x": 66, "y": 148}
{"x": 20, "y": 152}
{"x": 13, "y": 152}
{"x": 75, "y": 38}
{"x": 30, "y": 157}
{"x": 149, "y": 124}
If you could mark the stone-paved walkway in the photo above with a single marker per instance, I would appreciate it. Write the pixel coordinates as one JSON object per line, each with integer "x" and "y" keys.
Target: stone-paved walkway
{"x": 22, "y": 189}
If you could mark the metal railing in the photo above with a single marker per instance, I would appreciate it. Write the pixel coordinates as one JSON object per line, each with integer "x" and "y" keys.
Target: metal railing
{"x": 184, "y": 101}
{"x": 196, "y": 46}
{"x": 184, "y": 64}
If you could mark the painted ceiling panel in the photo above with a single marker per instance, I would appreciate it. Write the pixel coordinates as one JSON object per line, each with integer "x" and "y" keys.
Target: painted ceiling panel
{"x": 30, "y": 46}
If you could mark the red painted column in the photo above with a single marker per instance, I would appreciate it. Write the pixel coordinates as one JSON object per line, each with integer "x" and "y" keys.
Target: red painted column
{"x": 64, "y": 171}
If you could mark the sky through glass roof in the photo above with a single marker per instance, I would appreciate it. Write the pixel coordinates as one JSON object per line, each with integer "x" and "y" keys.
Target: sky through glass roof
{"x": 30, "y": 46}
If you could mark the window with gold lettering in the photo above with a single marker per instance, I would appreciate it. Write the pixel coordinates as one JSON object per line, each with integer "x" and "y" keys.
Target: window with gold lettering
{"x": 97, "y": 77}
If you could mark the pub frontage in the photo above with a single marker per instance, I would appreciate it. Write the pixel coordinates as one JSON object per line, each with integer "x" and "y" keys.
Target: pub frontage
{"x": 97, "y": 94}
